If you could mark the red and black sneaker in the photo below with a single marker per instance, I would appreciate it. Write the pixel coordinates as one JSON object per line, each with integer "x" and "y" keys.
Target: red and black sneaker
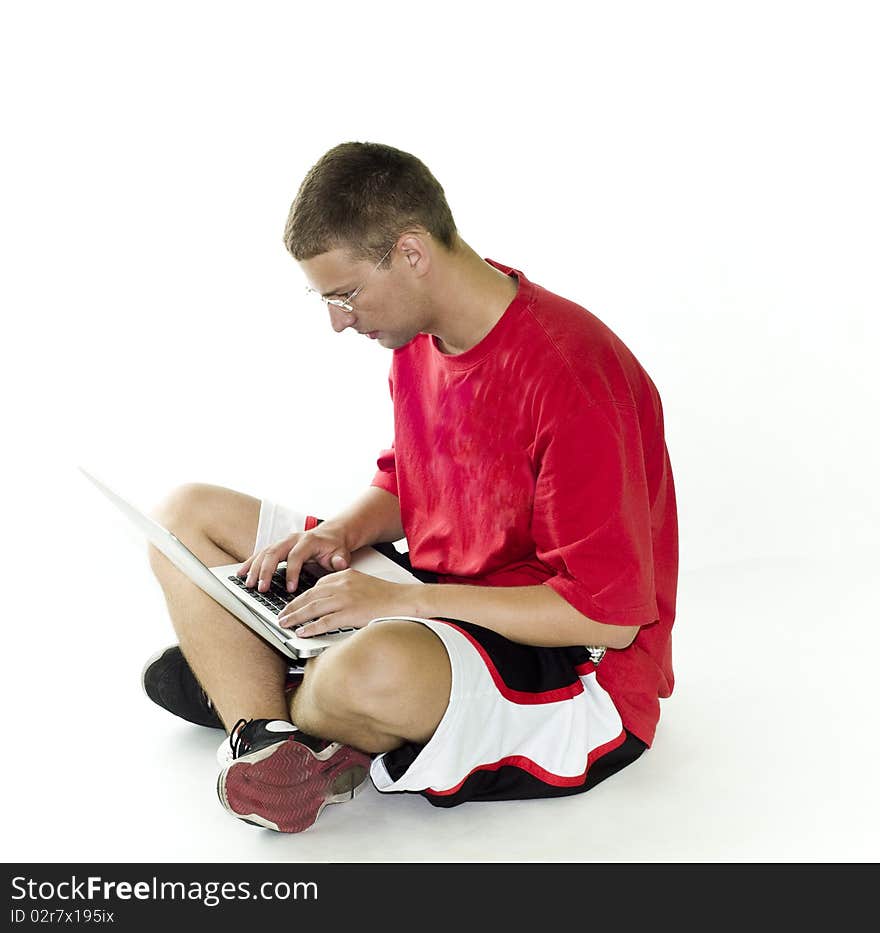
{"x": 281, "y": 778}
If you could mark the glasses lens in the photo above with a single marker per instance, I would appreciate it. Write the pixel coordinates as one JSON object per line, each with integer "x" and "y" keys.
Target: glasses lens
{"x": 317, "y": 297}
{"x": 340, "y": 303}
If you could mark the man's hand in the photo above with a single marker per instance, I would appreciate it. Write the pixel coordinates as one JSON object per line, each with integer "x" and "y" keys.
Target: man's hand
{"x": 347, "y": 599}
{"x": 325, "y": 545}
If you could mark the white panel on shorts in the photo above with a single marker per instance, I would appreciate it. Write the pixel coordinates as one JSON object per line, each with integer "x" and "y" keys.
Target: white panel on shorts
{"x": 276, "y": 522}
{"x": 481, "y": 727}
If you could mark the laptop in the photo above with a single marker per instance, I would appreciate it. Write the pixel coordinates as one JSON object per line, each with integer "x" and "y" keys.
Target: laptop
{"x": 256, "y": 610}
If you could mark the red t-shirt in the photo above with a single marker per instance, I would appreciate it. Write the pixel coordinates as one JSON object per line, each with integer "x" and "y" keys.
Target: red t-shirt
{"x": 538, "y": 456}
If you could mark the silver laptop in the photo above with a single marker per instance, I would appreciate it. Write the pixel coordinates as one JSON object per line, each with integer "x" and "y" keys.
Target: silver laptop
{"x": 258, "y": 611}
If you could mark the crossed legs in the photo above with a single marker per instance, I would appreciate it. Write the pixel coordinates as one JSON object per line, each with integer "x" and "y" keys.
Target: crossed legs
{"x": 386, "y": 684}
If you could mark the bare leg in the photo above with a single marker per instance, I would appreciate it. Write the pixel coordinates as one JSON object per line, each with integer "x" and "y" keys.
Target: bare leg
{"x": 386, "y": 684}
{"x": 242, "y": 674}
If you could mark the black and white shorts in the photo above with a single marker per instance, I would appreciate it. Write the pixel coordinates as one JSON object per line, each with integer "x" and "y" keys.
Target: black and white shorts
{"x": 521, "y": 721}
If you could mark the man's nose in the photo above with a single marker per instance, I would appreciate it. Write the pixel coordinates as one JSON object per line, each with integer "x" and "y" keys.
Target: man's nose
{"x": 340, "y": 319}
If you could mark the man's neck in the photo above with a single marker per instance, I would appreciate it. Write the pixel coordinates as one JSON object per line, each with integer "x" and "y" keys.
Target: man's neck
{"x": 471, "y": 300}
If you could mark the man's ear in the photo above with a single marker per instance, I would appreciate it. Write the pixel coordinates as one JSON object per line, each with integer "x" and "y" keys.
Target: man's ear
{"x": 416, "y": 252}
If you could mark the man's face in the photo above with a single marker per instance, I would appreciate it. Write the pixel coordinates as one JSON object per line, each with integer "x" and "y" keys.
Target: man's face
{"x": 381, "y": 309}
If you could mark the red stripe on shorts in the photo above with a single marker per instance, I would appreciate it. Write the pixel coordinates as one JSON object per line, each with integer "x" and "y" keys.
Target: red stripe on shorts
{"x": 519, "y": 696}
{"x": 533, "y": 768}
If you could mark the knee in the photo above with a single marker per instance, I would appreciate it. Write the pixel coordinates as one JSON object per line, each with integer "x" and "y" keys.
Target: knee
{"x": 183, "y": 507}
{"x": 370, "y": 673}
{"x": 181, "y": 512}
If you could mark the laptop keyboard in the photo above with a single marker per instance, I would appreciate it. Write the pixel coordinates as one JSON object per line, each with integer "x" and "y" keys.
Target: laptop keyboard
{"x": 277, "y": 596}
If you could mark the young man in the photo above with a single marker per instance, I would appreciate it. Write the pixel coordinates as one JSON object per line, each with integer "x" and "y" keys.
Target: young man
{"x": 530, "y": 476}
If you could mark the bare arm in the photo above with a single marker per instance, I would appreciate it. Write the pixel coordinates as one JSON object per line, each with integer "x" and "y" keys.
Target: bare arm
{"x": 373, "y": 517}
{"x": 530, "y": 615}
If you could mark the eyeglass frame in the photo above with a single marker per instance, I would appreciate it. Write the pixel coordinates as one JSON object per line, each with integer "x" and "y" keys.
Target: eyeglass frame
{"x": 345, "y": 304}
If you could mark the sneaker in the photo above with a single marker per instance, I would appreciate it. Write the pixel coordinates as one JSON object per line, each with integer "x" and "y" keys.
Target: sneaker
{"x": 169, "y": 682}
{"x": 282, "y": 779}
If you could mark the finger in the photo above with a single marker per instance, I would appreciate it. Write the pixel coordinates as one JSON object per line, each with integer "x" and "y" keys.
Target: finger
{"x": 254, "y": 568}
{"x": 307, "y": 611}
{"x": 304, "y": 599}
{"x": 341, "y": 621}
{"x": 242, "y": 571}
{"x": 303, "y": 551}
{"x": 334, "y": 560}
{"x": 268, "y": 566}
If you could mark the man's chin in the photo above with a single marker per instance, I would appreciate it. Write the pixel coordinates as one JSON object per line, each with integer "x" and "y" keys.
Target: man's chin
{"x": 393, "y": 341}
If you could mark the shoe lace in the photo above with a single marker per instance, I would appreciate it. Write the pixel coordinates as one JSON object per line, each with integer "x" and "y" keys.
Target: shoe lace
{"x": 236, "y": 740}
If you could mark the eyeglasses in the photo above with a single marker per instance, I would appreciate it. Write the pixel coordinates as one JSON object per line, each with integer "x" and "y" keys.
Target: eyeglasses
{"x": 345, "y": 301}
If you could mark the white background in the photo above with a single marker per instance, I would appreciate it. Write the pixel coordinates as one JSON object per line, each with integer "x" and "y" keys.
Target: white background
{"x": 703, "y": 177}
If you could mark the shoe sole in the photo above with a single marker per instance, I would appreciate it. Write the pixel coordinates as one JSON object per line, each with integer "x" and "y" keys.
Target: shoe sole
{"x": 284, "y": 787}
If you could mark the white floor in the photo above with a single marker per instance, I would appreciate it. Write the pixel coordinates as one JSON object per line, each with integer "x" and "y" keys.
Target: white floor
{"x": 766, "y": 752}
